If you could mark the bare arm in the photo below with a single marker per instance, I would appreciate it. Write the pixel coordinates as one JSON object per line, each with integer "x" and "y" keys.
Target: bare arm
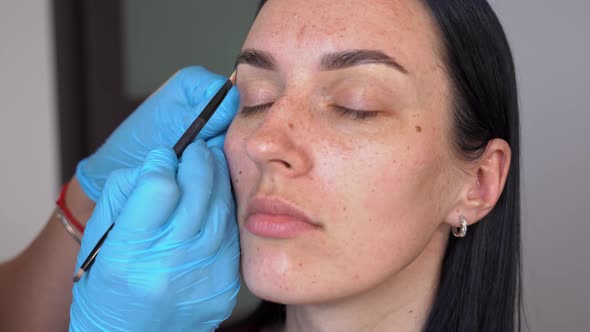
{"x": 36, "y": 286}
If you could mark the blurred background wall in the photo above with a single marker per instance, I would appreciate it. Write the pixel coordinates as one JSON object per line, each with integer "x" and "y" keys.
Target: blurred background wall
{"x": 551, "y": 45}
{"x": 28, "y": 123}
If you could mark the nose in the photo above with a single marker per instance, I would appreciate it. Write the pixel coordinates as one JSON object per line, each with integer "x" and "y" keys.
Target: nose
{"x": 279, "y": 143}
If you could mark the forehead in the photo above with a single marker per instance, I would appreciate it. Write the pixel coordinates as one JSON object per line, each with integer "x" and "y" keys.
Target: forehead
{"x": 299, "y": 30}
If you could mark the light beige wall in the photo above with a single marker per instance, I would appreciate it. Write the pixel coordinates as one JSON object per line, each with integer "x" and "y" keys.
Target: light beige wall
{"x": 28, "y": 149}
{"x": 551, "y": 46}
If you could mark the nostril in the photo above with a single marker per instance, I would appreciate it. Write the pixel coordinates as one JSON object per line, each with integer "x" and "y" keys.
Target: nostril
{"x": 286, "y": 164}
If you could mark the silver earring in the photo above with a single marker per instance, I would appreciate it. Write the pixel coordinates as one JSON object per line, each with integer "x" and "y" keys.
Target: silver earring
{"x": 462, "y": 231}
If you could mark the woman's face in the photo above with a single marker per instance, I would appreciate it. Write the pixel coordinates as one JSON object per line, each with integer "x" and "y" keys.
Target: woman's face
{"x": 341, "y": 155}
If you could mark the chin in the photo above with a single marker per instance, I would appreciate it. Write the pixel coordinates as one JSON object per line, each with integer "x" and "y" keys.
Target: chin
{"x": 274, "y": 288}
{"x": 271, "y": 274}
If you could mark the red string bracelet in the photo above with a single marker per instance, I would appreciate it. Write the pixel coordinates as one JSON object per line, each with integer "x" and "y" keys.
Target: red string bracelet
{"x": 61, "y": 202}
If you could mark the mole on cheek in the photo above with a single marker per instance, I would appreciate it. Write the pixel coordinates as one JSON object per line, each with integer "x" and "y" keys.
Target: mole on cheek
{"x": 291, "y": 125}
{"x": 418, "y": 129}
{"x": 236, "y": 181}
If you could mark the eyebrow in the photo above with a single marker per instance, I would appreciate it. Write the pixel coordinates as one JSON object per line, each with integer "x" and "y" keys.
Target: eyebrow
{"x": 345, "y": 59}
{"x": 330, "y": 61}
{"x": 260, "y": 59}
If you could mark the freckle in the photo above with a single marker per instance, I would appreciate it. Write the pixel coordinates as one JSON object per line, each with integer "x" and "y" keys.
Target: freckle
{"x": 300, "y": 264}
{"x": 344, "y": 208}
{"x": 290, "y": 125}
{"x": 240, "y": 172}
{"x": 418, "y": 129}
{"x": 411, "y": 311}
{"x": 301, "y": 33}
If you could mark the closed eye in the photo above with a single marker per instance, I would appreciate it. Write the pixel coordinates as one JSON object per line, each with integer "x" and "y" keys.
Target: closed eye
{"x": 353, "y": 114}
{"x": 248, "y": 111}
{"x": 252, "y": 110}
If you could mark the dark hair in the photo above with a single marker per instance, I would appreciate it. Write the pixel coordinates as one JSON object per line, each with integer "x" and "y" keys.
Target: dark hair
{"x": 480, "y": 283}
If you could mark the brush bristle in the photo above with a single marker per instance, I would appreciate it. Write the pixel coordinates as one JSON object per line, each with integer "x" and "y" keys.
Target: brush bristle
{"x": 232, "y": 78}
{"x": 78, "y": 275}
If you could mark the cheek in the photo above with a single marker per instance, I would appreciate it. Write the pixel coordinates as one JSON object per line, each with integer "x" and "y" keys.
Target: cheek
{"x": 388, "y": 203}
{"x": 231, "y": 149}
{"x": 393, "y": 207}
{"x": 386, "y": 214}
{"x": 237, "y": 159}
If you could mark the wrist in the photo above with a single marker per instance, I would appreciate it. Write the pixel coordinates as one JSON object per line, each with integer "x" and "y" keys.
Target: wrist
{"x": 79, "y": 205}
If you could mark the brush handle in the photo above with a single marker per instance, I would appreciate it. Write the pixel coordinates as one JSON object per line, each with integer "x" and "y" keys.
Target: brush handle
{"x": 88, "y": 262}
{"x": 194, "y": 129}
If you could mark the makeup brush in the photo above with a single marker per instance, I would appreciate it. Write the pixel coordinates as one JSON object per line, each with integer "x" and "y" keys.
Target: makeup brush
{"x": 189, "y": 135}
{"x": 194, "y": 129}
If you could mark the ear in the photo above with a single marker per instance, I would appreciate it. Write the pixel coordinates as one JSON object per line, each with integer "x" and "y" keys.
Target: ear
{"x": 484, "y": 183}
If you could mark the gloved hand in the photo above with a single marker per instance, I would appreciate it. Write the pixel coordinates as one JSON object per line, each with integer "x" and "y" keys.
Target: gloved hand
{"x": 158, "y": 122}
{"x": 170, "y": 263}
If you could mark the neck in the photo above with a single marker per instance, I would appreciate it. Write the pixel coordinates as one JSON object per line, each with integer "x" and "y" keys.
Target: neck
{"x": 400, "y": 303}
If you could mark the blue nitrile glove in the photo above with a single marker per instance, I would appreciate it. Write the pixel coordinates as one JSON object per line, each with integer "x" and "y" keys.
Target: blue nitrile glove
{"x": 158, "y": 122}
{"x": 171, "y": 262}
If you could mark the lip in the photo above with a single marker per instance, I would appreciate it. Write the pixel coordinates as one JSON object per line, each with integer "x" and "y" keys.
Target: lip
{"x": 276, "y": 218}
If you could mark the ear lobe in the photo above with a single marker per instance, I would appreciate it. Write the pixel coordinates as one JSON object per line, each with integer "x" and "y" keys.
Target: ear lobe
{"x": 485, "y": 188}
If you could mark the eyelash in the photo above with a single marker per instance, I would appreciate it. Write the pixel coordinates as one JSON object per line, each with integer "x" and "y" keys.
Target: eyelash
{"x": 341, "y": 110}
{"x": 252, "y": 110}
{"x": 353, "y": 114}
